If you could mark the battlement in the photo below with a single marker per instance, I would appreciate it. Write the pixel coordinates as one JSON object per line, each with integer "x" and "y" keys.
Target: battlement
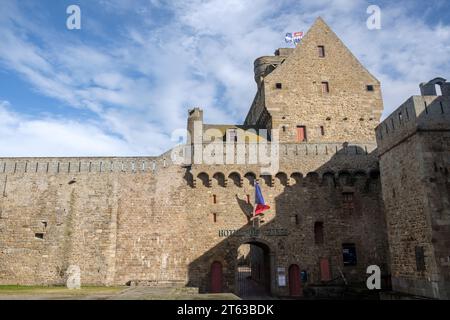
{"x": 418, "y": 113}
{"x": 252, "y": 153}
{"x": 83, "y": 165}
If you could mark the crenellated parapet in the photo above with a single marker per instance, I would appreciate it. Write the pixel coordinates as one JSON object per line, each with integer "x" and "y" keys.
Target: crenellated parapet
{"x": 418, "y": 113}
{"x": 83, "y": 165}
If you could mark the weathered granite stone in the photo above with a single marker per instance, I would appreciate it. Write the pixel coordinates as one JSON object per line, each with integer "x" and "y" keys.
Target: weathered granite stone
{"x": 73, "y": 277}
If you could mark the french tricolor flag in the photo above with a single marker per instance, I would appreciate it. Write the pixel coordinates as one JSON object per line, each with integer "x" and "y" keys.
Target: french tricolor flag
{"x": 261, "y": 206}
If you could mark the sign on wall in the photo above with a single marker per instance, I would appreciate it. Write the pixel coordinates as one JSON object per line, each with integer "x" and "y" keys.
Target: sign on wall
{"x": 281, "y": 276}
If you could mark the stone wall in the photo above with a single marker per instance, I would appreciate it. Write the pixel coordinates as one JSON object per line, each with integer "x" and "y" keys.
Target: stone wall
{"x": 308, "y": 189}
{"x": 414, "y": 146}
{"x": 145, "y": 220}
{"x": 109, "y": 221}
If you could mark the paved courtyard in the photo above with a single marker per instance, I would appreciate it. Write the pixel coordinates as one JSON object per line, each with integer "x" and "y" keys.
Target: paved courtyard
{"x": 106, "y": 293}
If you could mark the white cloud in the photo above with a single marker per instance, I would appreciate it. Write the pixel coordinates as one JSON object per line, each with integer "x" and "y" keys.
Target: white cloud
{"x": 141, "y": 81}
{"x": 27, "y": 137}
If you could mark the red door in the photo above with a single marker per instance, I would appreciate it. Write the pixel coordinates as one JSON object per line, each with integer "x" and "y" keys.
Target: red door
{"x": 295, "y": 287}
{"x": 301, "y": 134}
{"x": 216, "y": 277}
{"x": 325, "y": 274}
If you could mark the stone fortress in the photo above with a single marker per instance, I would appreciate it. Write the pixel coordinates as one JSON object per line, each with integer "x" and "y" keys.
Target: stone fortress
{"x": 349, "y": 192}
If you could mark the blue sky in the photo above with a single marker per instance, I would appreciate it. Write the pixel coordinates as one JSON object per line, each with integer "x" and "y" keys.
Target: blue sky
{"x": 122, "y": 84}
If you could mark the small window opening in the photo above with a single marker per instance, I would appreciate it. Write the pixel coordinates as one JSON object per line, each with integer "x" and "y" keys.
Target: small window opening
{"x": 215, "y": 217}
{"x": 420, "y": 259}
{"x": 348, "y": 202}
{"x": 349, "y": 254}
{"x": 279, "y": 85}
{"x": 301, "y": 134}
{"x": 370, "y": 87}
{"x": 325, "y": 87}
{"x": 39, "y": 236}
{"x": 233, "y": 135}
{"x": 318, "y": 233}
{"x": 214, "y": 199}
{"x": 322, "y": 130}
{"x": 321, "y": 51}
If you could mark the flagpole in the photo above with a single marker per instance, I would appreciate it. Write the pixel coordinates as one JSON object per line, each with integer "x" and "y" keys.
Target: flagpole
{"x": 254, "y": 209}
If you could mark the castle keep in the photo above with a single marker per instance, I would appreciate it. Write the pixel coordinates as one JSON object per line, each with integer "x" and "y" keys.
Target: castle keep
{"x": 155, "y": 221}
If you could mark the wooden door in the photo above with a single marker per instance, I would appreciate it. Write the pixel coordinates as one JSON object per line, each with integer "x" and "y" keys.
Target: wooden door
{"x": 295, "y": 287}
{"x": 325, "y": 274}
{"x": 216, "y": 277}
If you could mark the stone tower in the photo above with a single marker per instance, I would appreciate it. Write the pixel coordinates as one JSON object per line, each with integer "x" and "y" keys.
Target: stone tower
{"x": 317, "y": 92}
{"x": 195, "y": 118}
{"x": 414, "y": 150}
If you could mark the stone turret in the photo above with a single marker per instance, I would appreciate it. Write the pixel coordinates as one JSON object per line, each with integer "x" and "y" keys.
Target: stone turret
{"x": 195, "y": 125}
{"x": 429, "y": 88}
{"x": 265, "y": 65}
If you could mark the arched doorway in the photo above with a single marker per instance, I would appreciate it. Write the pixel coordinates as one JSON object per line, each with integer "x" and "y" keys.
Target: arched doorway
{"x": 253, "y": 272}
{"x": 295, "y": 288}
{"x": 216, "y": 277}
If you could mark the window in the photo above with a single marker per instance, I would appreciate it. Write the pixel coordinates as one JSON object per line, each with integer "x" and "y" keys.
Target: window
{"x": 301, "y": 134}
{"x": 321, "y": 51}
{"x": 370, "y": 88}
{"x": 322, "y": 130}
{"x": 233, "y": 135}
{"x": 215, "y": 217}
{"x": 318, "y": 233}
{"x": 349, "y": 254}
{"x": 39, "y": 236}
{"x": 279, "y": 86}
{"x": 214, "y": 199}
{"x": 325, "y": 87}
{"x": 347, "y": 202}
{"x": 420, "y": 259}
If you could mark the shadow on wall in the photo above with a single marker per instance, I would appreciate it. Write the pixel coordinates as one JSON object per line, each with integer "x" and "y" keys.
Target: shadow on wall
{"x": 343, "y": 195}
{"x": 414, "y": 148}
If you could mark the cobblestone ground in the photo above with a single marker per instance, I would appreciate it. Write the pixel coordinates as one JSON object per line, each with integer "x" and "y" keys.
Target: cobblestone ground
{"x": 248, "y": 288}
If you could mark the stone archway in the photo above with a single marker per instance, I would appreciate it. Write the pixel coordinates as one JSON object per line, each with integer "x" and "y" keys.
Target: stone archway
{"x": 253, "y": 270}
